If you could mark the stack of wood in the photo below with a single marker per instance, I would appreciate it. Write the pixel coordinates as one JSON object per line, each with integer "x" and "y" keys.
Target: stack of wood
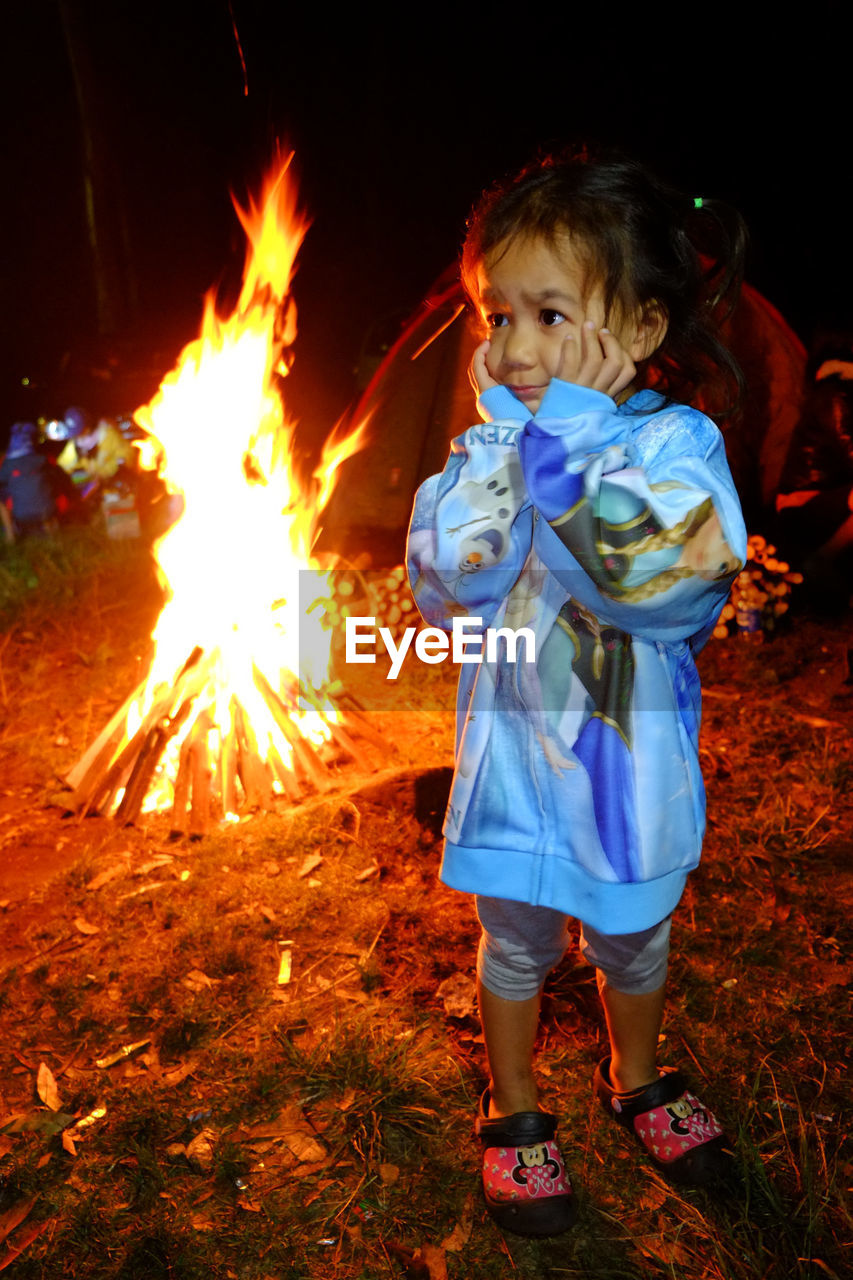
{"x": 117, "y": 771}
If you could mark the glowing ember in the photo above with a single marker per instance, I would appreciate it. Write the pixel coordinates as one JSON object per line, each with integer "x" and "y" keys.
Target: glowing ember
{"x": 236, "y": 701}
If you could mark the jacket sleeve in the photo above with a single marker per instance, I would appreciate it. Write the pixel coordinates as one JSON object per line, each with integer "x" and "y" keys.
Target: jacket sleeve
{"x": 499, "y": 404}
{"x": 645, "y": 525}
{"x": 471, "y": 528}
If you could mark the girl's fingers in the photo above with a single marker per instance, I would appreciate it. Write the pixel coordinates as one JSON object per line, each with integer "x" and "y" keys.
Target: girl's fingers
{"x": 605, "y": 364}
{"x": 567, "y": 369}
{"x": 618, "y": 369}
{"x": 478, "y": 373}
{"x": 591, "y": 357}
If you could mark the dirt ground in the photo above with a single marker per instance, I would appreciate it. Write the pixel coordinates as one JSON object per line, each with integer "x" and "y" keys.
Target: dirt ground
{"x": 109, "y": 934}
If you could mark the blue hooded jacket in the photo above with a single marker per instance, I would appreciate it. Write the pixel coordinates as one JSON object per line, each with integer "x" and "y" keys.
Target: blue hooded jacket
{"x": 613, "y": 534}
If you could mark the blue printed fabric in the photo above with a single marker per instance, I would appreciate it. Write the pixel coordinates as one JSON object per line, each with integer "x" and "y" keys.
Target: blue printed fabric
{"x": 613, "y": 534}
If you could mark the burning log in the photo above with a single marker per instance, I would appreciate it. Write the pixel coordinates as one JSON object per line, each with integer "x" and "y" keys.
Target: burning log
{"x": 306, "y": 761}
{"x": 255, "y": 776}
{"x": 200, "y": 775}
{"x": 182, "y": 789}
{"x": 105, "y": 773}
{"x": 228, "y": 766}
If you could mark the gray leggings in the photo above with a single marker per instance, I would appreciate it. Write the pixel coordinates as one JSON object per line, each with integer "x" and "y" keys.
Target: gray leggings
{"x": 522, "y": 944}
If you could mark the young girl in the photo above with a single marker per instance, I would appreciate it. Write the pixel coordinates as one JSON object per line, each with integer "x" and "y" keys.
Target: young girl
{"x": 599, "y": 513}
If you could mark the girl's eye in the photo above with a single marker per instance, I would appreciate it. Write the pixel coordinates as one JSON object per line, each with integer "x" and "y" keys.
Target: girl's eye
{"x": 550, "y": 318}
{"x": 496, "y": 320}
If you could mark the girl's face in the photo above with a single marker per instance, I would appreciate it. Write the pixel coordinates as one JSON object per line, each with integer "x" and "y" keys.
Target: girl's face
{"x": 533, "y": 295}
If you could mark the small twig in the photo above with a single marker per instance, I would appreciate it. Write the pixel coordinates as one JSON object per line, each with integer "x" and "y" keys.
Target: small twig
{"x": 370, "y": 950}
{"x": 816, "y": 722}
{"x": 816, "y": 820}
{"x": 69, "y": 1062}
{"x": 699, "y": 1066}
{"x": 237, "y": 1024}
{"x": 69, "y": 941}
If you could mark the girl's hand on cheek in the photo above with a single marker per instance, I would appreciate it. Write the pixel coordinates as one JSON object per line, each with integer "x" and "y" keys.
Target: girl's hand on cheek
{"x": 595, "y": 358}
{"x": 478, "y": 373}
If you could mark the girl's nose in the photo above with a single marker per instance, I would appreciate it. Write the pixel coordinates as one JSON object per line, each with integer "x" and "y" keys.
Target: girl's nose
{"x": 519, "y": 350}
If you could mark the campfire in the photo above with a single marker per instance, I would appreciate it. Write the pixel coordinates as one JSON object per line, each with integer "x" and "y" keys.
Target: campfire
{"x": 238, "y": 706}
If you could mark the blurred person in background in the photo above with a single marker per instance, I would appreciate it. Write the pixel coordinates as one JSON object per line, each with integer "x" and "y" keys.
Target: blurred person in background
{"x": 95, "y": 455}
{"x": 27, "y": 489}
{"x": 814, "y": 506}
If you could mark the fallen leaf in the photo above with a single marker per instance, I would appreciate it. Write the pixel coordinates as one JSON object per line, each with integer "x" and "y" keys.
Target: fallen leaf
{"x": 22, "y": 1243}
{"x": 310, "y": 863}
{"x": 414, "y": 1268}
{"x": 388, "y": 1174}
{"x": 273, "y": 1157}
{"x": 46, "y": 1087}
{"x": 177, "y": 1075}
{"x": 291, "y": 1127}
{"x": 305, "y": 1146}
{"x": 461, "y": 1233}
{"x": 148, "y": 887}
{"x": 68, "y": 1143}
{"x": 245, "y": 1202}
{"x": 434, "y": 1257}
{"x": 13, "y": 1217}
{"x": 104, "y": 877}
{"x": 200, "y": 1150}
{"x": 83, "y": 926}
{"x": 360, "y": 997}
{"x": 197, "y": 981}
{"x": 126, "y": 1051}
{"x": 162, "y": 860}
{"x": 459, "y": 995}
{"x": 49, "y": 1122}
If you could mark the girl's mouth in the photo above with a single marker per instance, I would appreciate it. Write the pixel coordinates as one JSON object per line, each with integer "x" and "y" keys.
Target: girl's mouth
{"x": 526, "y": 392}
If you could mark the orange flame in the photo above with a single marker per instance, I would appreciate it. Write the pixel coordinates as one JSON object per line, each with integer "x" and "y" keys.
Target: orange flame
{"x": 237, "y": 567}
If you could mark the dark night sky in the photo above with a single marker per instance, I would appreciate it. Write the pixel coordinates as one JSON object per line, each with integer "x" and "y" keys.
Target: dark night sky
{"x": 396, "y": 128}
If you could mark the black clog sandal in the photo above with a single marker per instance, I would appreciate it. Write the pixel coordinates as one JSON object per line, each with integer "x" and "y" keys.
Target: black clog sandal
{"x": 682, "y": 1138}
{"x": 525, "y": 1182}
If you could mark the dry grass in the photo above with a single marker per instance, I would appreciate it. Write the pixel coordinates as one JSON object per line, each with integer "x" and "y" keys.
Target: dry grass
{"x": 321, "y": 1127}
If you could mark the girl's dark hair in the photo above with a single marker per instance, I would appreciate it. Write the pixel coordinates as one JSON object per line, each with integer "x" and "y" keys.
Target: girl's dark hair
{"x": 644, "y": 241}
